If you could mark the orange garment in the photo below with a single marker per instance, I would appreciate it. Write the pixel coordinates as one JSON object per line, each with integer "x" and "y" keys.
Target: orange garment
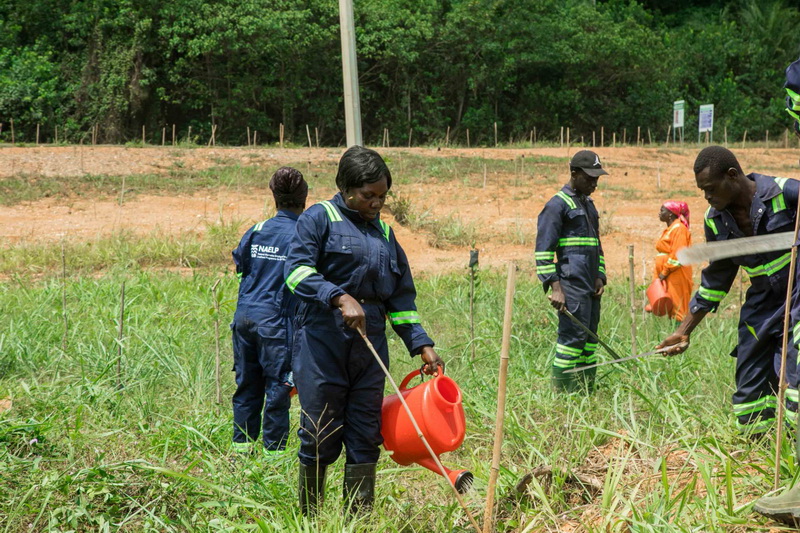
{"x": 679, "y": 277}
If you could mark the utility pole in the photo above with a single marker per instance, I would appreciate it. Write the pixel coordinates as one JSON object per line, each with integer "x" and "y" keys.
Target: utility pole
{"x": 352, "y": 104}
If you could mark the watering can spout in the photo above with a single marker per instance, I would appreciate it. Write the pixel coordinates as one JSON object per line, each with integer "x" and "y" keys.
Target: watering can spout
{"x": 460, "y": 479}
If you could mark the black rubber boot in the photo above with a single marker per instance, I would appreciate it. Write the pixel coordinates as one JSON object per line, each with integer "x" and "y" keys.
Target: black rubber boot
{"x": 311, "y": 488}
{"x": 784, "y": 507}
{"x": 563, "y": 382}
{"x": 359, "y": 487}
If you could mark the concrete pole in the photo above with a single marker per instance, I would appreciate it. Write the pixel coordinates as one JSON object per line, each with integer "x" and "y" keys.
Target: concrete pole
{"x": 352, "y": 104}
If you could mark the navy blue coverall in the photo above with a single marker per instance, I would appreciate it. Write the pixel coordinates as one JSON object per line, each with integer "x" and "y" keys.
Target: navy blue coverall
{"x": 568, "y": 250}
{"x": 339, "y": 383}
{"x": 758, "y": 353}
{"x": 262, "y": 333}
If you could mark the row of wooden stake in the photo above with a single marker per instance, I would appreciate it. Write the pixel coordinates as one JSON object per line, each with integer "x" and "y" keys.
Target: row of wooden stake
{"x": 564, "y": 136}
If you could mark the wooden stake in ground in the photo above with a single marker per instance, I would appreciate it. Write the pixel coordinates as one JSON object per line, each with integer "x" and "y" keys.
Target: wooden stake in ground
{"x": 163, "y": 136}
{"x": 37, "y": 133}
{"x": 592, "y": 138}
{"x": 119, "y": 335}
{"x": 410, "y": 132}
{"x": 248, "y": 137}
{"x": 308, "y": 134}
{"x": 568, "y": 137}
{"x": 725, "y": 135}
{"x": 316, "y": 135}
{"x": 638, "y": 134}
{"x": 473, "y": 262}
{"x": 216, "y": 341}
{"x": 505, "y": 347}
{"x": 414, "y": 423}
{"x": 64, "y": 296}
{"x": 782, "y": 376}
{"x": 280, "y": 134}
{"x": 467, "y": 137}
{"x": 447, "y": 137}
{"x": 744, "y": 138}
{"x": 143, "y": 135}
{"x": 602, "y": 136}
{"x": 189, "y": 135}
{"x": 495, "y": 134}
{"x": 669, "y": 129}
{"x": 13, "y": 138}
{"x": 173, "y": 135}
{"x": 255, "y": 137}
{"x": 56, "y": 140}
{"x": 632, "y": 273}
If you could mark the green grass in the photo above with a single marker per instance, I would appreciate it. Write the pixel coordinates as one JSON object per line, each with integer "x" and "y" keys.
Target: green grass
{"x": 79, "y": 452}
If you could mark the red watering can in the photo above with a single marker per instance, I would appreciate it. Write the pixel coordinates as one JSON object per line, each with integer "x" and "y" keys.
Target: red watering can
{"x": 660, "y": 301}
{"x": 436, "y": 405}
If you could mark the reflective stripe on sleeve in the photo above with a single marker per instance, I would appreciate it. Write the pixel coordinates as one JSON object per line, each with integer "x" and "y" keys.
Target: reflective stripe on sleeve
{"x": 711, "y": 295}
{"x": 299, "y": 274}
{"x": 546, "y": 269}
{"x": 711, "y": 224}
{"x": 544, "y": 256}
{"x": 404, "y": 317}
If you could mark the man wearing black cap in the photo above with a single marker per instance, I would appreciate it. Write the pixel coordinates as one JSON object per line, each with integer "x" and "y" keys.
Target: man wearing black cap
{"x": 570, "y": 263}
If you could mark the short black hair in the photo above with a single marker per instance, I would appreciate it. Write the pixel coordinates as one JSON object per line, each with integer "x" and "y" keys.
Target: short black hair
{"x": 289, "y": 188}
{"x": 717, "y": 159}
{"x": 360, "y": 165}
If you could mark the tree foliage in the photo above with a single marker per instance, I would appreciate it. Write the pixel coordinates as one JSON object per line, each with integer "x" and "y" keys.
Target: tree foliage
{"x": 424, "y": 65}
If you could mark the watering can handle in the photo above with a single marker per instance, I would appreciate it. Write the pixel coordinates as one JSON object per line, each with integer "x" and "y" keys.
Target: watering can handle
{"x": 414, "y": 373}
{"x": 408, "y": 378}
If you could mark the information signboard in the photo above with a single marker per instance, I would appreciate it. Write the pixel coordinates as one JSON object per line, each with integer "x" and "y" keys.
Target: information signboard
{"x": 677, "y": 113}
{"x": 706, "y": 119}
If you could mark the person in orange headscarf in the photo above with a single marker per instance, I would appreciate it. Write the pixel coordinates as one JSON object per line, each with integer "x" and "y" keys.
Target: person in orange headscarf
{"x": 677, "y": 277}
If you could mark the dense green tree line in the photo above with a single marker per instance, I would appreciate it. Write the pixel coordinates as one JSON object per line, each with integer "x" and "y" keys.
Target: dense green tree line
{"x": 424, "y": 65}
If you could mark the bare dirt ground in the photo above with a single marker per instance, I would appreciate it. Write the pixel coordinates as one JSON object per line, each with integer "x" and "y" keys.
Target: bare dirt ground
{"x": 503, "y": 211}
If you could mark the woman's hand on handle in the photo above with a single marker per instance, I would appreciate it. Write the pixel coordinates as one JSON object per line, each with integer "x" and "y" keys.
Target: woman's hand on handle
{"x": 352, "y": 312}
{"x": 432, "y": 360}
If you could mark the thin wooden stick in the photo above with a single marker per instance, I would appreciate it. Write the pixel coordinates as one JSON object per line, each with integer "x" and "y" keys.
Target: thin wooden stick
{"x": 410, "y": 132}
{"x": 173, "y": 134}
{"x": 467, "y": 137}
{"x": 784, "y": 350}
{"x": 143, "y": 141}
{"x": 316, "y": 135}
{"x": 495, "y": 134}
{"x": 13, "y": 139}
{"x": 308, "y": 134}
{"x": 37, "y": 133}
{"x": 632, "y": 273}
{"x": 163, "y": 136}
{"x": 64, "y": 295}
{"x": 473, "y": 254}
{"x": 216, "y": 341}
{"x": 447, "y": 137}
{"x": 248, "y": 136}
{"x": 744, "y": 138}
{"x": 417, "y": 428}
{"x": 119, "y": 336}
{"x": 501, "y": 399}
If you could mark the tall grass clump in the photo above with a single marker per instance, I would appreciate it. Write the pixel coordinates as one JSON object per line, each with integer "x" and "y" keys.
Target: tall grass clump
{"x": 653, "y": 449}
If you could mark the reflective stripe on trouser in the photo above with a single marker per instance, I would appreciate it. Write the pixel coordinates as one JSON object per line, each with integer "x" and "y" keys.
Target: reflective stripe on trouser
{"x": 758, "y": 359}
{"x": 262, "y": 367}
{"x": 340, "y": 386}
{"x": 574, "y": 347}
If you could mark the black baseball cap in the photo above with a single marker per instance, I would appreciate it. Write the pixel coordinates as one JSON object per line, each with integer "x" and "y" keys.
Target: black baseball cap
{"x": 589, "y": 162}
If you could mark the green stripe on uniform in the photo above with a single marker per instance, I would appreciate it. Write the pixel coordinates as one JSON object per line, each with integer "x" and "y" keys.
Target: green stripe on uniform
{"x": 333, "y": 212}
{"x": 385, "y": 228}
{"x": 770, "y": 268}
{"x": 711, "y": 295}
{"x": 546, "y": 269}
{"x": 710, "y": 223}
{"x": 564, "y": 196}
{"x": 544, "y": 256}
{"x": 404, "y": 317}
{"x": 299, "y": 274}
{"x": 578, "y": 241}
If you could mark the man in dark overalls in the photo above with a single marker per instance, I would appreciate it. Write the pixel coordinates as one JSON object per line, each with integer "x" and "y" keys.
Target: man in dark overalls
{"x": 786, "y": 507}
{"x": 570, "y": 263}
{"x": 261, "y": 325}
{"x": 744, "y": 206}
